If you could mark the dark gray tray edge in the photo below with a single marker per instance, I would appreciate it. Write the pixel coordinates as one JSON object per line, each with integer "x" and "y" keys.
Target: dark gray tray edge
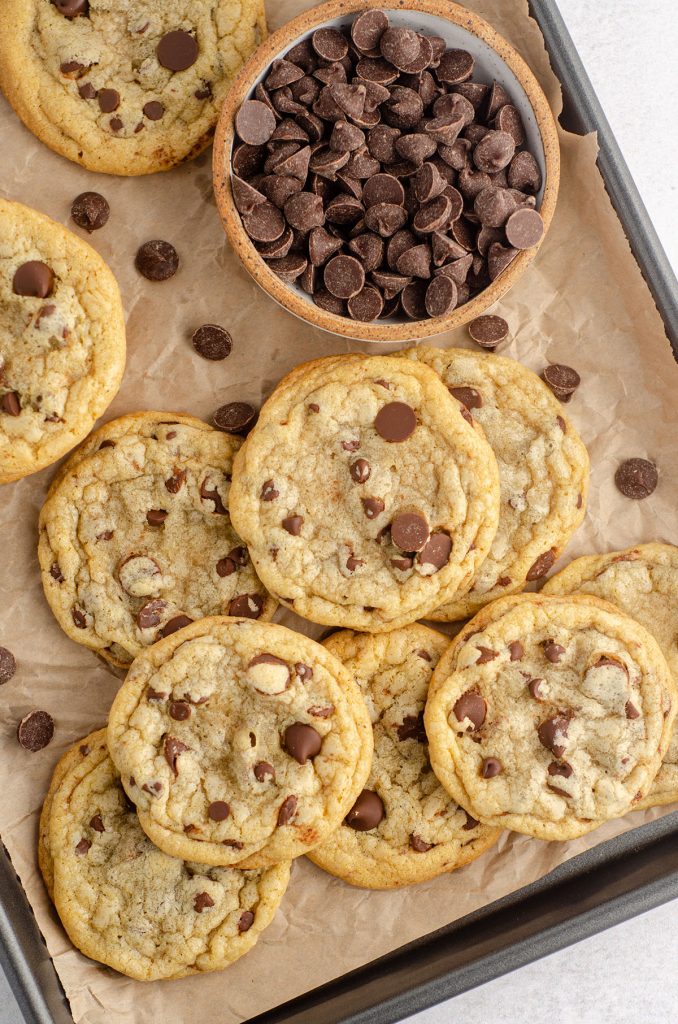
{"x": 422, "y": 974}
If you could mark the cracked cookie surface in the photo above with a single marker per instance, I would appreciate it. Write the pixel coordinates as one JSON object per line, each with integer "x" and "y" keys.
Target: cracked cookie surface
{"x": 240, "y": 742}
{"x": 643, "y": 583}
{"x": 128, "y": 905}
{"x": 404, "y": 828}
{"x": 124, "y": 86}
{"x": 62, "y": 340}
{"x": 550, "y": 715}
{"x": 364, "y": 496}
{"x": 543, "y": 469}
{"x": 136, "y": 539}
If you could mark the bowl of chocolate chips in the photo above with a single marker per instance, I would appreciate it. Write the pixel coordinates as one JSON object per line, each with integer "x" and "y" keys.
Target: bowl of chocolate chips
{"x": 386, "y": 173}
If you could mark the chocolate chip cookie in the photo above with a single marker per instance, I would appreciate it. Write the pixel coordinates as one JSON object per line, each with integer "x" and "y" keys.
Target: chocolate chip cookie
{"x": 128, "y": 905}
{"x": 643, "y": 583}
{"x": 365, "y": 497}
{"x": 125, "y": 88}
{"x": 240, "y": 742}
{"x": 543, "y": 469}
{"x": 62, "y": 340}
{"x": 403, "y": 828}
{"x": 136, "y": 539}
{"x": 550, "y": 715}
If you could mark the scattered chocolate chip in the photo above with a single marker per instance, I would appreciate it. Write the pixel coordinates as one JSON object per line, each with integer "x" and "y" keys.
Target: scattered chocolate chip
{"x": 302, "y": 742}
{"x": 534, "y": 687}
{"x": 157, "y": 260}
{"x": 436, "y": 551}
{"x": 469, "y": 397}
{"x": 263, "y": 770}
{"x": 218, "y": 810}
{"x": 561, "y": 769}
{"x": 109, "y": 100}
{"x": 553, "y": 652}
{"x": 287, "y": 810}
{"x": 83, "y": 847}
{"x": 174, "y": 624}
{"x": 471, "y": 706}
{"x": 293, "y": 524}
{"x": 56, "y": 573}
{"x": 156, "y": 516}
{"x": 552, "y": 732}
{"x": 367, "y": 812}
{"x": 488, "y": 331}
{"x": 90, "y": 211}
{"x": 235, "y": 417}
{"x": 269, "y": 492}
{"x": 491, "y": 767}
{"x": 541, "y": 566}
{"x": 562, "y": 380}
{"x": 516, "y": 650}
{"x": 395, "y": 422}
{"x": 212, "y": 342}
{"x": 33, "y": 278}
{"x": 470, "y": 823}
{"x": 631, "y": 710}
{"x": 10, "y": 403}
{"x": 97, "y": 824}
{"x": 419, "y": 845}
{"x": 79, "y": 618}
{"x": 202, "y": 901}
{"x": 177, "y": 51}
{"x": 7, "y": 665}
{"x": 247, "y": 606}
{"x": 172, "y": 748}
{"x": 486, "y": 654}
{"x": 636, "y": 478}
{"x": 153, "y": 110}
{"x": 412, "y": 728}
{"x": 245, "y": 921}
{"x": 360, "y": 471}
{"x": 35, "y": 730}
{"x": 150, "y": 614}
{"x": 410, "y": 531}
{"x": 179, "y": 710}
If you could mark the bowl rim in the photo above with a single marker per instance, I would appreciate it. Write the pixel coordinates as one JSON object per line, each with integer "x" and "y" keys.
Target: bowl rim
{"x": 268, "y": 280}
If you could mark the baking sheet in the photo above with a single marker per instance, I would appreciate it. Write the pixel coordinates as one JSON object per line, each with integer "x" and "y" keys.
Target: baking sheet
{"x": 582, "y": 302}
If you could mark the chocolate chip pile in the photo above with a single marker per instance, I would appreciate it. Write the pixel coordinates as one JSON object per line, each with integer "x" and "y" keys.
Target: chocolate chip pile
{"x": 371, "y": 169}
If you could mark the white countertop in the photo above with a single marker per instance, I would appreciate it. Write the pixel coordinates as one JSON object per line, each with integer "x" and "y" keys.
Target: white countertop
{"x": 628, "y": 974}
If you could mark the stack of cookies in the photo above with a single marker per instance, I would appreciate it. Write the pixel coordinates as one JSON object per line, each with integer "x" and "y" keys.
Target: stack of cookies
{"x": 373, "y": 492}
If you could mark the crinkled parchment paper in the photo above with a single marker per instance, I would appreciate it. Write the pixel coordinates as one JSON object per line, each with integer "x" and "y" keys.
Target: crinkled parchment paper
{"x": 582, "y": 302}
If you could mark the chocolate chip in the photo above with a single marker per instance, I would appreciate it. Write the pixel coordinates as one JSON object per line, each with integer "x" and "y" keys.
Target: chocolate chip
{"x": 488, "y": 331}
{"x": 455, "y": 67}
{"x": 56, "y": 573}
{"x": 33, "y": 278}
{"x": 263, "y": 770}
{"x": 283, "y": 73}
{"x": 468, "y": 397}
{"x": 367, "y": 305}
{"x": 441, "y": 296}
{"x": 174, "y": 624}
{"x": 541, "y": 566}
{"x": 470, "y": 823}
{"x": 79, "y": 618}
{"x": 410, "y": 531}
{"x": 385, "y": 218}
{"x": 172, "y": 748}
{"x": 372, "y": 507}
{"x": 97, "y": 824}
{"x": 486, "y": 655}
{"x": 202, "y": 901}
{"x": 498, "y": 259}
{"x": 212, "y": 342}
{"x": 419, "y": 845}
{"x": 523, "y": 173}
{"x": 35, "y": 730}
{"x": 109, "y": 100}
{"x": 287, "y": 810}
{"x": 329, "y": 44}
{"x": 247, "y": 606}
{"x": 344, "y": 276}
{"x": 83, "y": 847}
{"x": 269, "y": 491}
{"x": 491, "y": 767}
{"x": 265, "y": 223}
{"x": 177, "y": 51}
{"x": 552, "y": 732}
{"x": 367, "y": 812}
{"x": 369, "y": 249}
{"x": 631, "y": 711}
{"x": 524, "y": 228}
{"x": 156, "y": 516}
{"x": 360, "y": 471}
{"x": 157, "y": 260}
{"x": 412, "y": 728}
{"x": 293, "y": 525}
{"x": 562, "y": 380}
{"x": 395, "y": 422}
{"x": 553, "y": 652}
{"x": 516, "y": 650}
{"x": 179, "y": 710}
{"x": 436, "y": 551}
{"x": 245, "y": 921}
{"x": 176, "y": 481}
{"x": 218, "y": 810}
{"x": 150, "y": 614}
{"x": 508, "y": 120}
{"x": 560, "y": 769}
{"x": 636, "y": 478}
{"x": 235, "y": 417}
{"x": 72, "y": 8}
{"x": 153, "y": 110}
{"x": 90, "y": 211}
{"x": 471, "y": 706}
{"x": 7, "y": 665}
{"x": 302, "y": 742}
{"x": 87, "y": 91}
{"x": 10, "y": 403}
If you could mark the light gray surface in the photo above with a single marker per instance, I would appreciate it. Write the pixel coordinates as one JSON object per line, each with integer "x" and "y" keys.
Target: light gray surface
{"x": 626, "y": 975}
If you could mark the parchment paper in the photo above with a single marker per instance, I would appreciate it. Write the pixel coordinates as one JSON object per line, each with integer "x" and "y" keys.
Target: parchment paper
{"x": 583, "y": 302}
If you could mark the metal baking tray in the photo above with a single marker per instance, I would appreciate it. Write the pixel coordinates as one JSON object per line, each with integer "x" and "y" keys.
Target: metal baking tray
{"x": 610, "y": 883}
